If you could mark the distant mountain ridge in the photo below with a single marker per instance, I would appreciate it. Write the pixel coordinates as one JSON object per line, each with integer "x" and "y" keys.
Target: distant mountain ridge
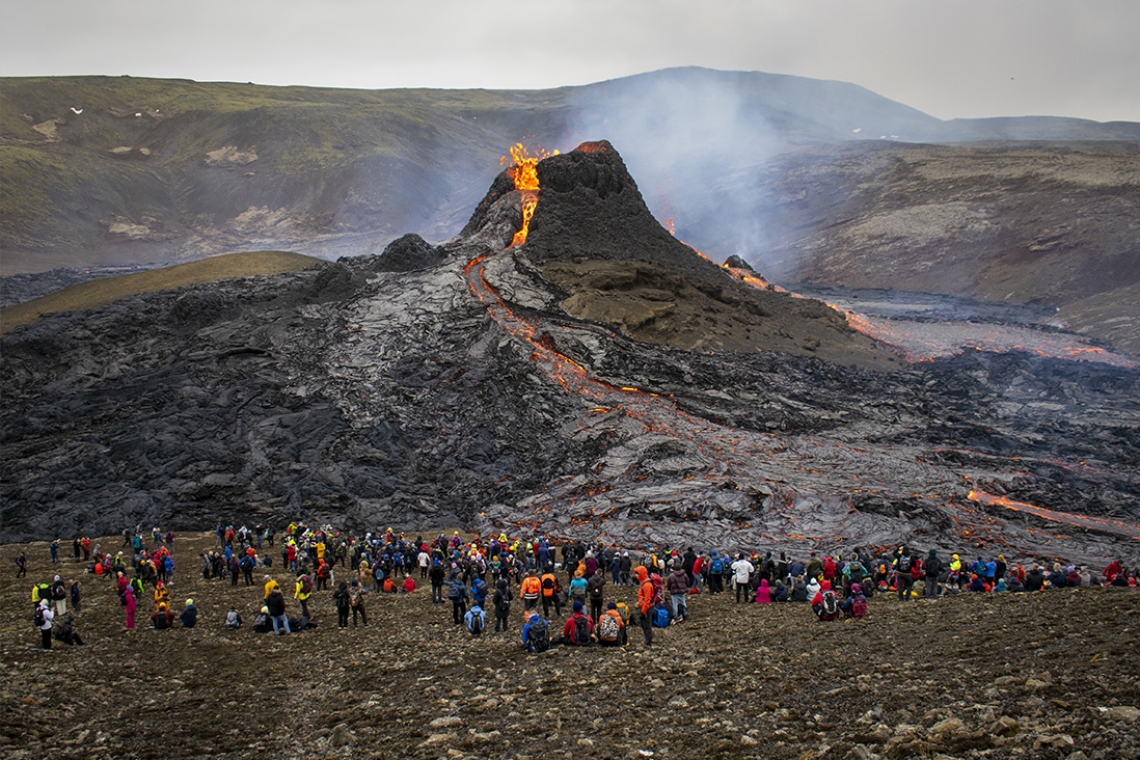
{"x": 121, "y": 170}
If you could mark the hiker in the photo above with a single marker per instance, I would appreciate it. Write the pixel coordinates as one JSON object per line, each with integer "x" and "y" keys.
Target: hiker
{"x": 824, "y": 603}
{"x": 436, "y": 574}
{"x": 59, "y": 596}
{"x": 408, "y": 586}
{"x": 277, "y": 616}
{"x": 475, "y": 619}
{"x": 577, "y": 588}
{"x": 67, "y": 633}
{"x": 536, "y": 634}
{"x": 341, "y": 599}
{"x": 130, "y": 605}
{"x": 904, "y": 564}
{"x": 302, "y": 590}
{"x": 595, "y": 590}
{"x": 678, "y": 583}
{"x": 932, "y": 569}
{"x": 531, "y": 590}
{"x": 22, "y": 565}
{"x": 763, "y": 593}
{"x": 579, "y": 628}
{"x": 233, "y": 619}
{"x": 43, "y": 621}
{"x": 856, "y": 605}
{"x": 502, "y": 603}
{"x": 189, "y": 616}
{"x": 356, "y": 602}
{"x": 742, "y": 571}
{"x": 645, "y": 596}
{"x": 75, "y": 595}
{"x": 551, "y": 589}
{"x": 611, "y": 627}
{"x": 163, "y": 618}
{"x": 457, "y": 593}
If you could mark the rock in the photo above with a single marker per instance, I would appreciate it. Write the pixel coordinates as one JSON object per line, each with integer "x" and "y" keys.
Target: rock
{"x": 1125, "y": 713}
{"x": 1005, "y": 726}
{"x": 340, "y": 736}
{"x": 1057, "y": 741}
{"x": 447, "y": 721}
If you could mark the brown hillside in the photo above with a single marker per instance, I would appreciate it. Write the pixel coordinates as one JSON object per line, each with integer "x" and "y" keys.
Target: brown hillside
{"x": 89, "y": 295}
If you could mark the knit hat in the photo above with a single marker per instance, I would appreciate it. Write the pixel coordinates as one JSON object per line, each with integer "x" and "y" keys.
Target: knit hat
{"x": 577, "y": 606}
{"x": 611, "y": 606}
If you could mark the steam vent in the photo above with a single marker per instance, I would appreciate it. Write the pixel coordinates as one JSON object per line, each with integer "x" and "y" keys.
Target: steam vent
{"x": 566, "y": 366}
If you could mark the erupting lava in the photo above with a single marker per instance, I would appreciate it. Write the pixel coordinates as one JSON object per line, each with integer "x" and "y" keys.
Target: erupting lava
{"x": 523, "y": 170}
{"x": 1081, "y": 521}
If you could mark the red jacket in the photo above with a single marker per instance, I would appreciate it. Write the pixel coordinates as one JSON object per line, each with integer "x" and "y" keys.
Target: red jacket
{"x": 568, "y": 629}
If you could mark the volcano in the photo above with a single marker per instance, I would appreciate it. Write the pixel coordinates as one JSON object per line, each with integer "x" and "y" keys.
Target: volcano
{"x": 563, "y": 366}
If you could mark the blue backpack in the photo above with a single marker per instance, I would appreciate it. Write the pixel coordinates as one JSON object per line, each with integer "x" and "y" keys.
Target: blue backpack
{"x": 660, "y": 617}
{"x": 717, "y": 566}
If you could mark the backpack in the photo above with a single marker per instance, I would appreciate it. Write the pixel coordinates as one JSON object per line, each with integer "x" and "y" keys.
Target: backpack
{"x": 503, "y": 602}
{"x": 38, "y": 617}
{"x": 859, "y": 607}
{"x": 904, "y": 563}
{"x": 856, "y": 573}
{"x": 623, "y": 610}
{"x": 658, "y": 590}
{"x": 477, "y": 624}
{"x": 608, "y": 628}
{"x": 717, "y": 566}
{"x": 548, "y": 583}
{"x": 596, "y": 587}
{"x": 306, "y": 584}
{"x": 581, "y": 631}
{"x": 453, "y": 591}
{"x": 660, "y": 617}
{"x": 829, "y": 606}
{"x": 539, "y": 636}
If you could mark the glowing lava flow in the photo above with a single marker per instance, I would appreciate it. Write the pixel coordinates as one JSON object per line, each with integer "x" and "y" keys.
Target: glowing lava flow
{"x": 523, "y": 170}
{"x": 1118, "y": 527}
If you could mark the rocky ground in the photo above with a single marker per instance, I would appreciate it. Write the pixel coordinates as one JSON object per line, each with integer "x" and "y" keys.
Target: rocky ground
{"x": 1047, "y": 675}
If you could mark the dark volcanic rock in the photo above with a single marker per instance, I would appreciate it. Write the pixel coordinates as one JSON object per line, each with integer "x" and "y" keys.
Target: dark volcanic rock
{"x": 469, "y": 392}
{"x": 407, "y": 254}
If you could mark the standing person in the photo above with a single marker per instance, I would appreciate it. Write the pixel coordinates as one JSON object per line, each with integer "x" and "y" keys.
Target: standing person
{"x": 356, "y": 602}
{"x": 22, "y": 565}
{"x": 742, "y": 571}
{"x": 595, "y": 590}
{"x": 550, "y": 593}
{"x": 903, "y": 567}
{"x": 276, "y": 605}
{"x": 645, "y": 596}
{"x": 131, "y": 606}
{"x": 43, "y": 620}
{"x": 531, "y": 590}
{"x": 75, "y": 597}
{"x": 53, "y": 547}
{"x": 343, "y": 604}
{"x": 457, "y": 593}
{"x": 302, "y": 590}
{"x": 502, "y": 602}
{"x": 933, "y": 569}
{"x": 436, "y": 575}
{"x": 678, "y": 583}
{"x": 59, "y": 596}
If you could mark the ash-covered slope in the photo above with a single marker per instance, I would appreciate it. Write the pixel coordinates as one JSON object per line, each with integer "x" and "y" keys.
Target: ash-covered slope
{"x": 451, "y": 384}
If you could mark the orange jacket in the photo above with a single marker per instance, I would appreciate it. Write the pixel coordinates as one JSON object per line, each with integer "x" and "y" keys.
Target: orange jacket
{"x": 644, "y": 590}
{"x": 531, "y": 587}
{"x": 549, "y": 592}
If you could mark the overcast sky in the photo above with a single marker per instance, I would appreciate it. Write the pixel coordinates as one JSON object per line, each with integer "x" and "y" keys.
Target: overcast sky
{"x": 949, "y": 58}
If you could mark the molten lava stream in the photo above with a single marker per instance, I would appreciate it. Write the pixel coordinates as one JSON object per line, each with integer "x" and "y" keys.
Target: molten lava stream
{"x": 1119, "y": 527}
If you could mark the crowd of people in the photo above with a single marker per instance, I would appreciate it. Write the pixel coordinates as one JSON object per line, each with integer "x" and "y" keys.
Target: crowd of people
{"x": 485, "y": 577}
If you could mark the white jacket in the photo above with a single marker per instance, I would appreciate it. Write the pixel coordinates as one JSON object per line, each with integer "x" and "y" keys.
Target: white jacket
{"x": 742, "y": 570}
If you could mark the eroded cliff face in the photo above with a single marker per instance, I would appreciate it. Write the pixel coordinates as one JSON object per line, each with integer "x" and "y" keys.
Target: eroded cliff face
{"x": 454, "y": 383}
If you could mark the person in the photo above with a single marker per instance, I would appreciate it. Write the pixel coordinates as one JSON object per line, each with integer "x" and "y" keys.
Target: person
{"x": 161, "y": 595}
{"x": 409, "y": 585}
{"x": 436, "y": 575}
{"x": 261, "y": 622}
{"x": 302, "y": 590}
{"x": 475, "y": 619}
{"x": 678, "y": 583}
{"x": 43, "y": 621}
{"x": 611, "y": 627}
{"x": 824, "y": 604}
{"x": 763, "y": 593}
{"x": 595, "y": 590}
{"x": 67, "y": 633}
{"x": 59, "y": 596}
{"x": 131, "y": 606}
{"x": 75, "y": 595}
{"x": 781, "y": 592}
{"x": 22, "y": 565}
{"x": 457, "y": 593}
{"x": 577, "y": 589}
{"x": 856, "y": 604}
{"x": 343, "y": 604}
{"x": 535, "y": 634}
{"x": 502, "y": 603}
{"x": 277, "y": 616}
{"x": 531, "y": 590}
{"x": 645, "y": 598}
{"x": 356, "y": 602}
{"x": 903, "y": 573}
{"x": 189, "y": 616}
{"x": 932, "y": 568}
{"x": 233, "y": 619}
{"x": 579, "y": 628}
{"x": 270, "y": 584}
{"x": 716, "y": 573}
{"x": 163, "y": 618}
{"x": 742, "y": 571}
